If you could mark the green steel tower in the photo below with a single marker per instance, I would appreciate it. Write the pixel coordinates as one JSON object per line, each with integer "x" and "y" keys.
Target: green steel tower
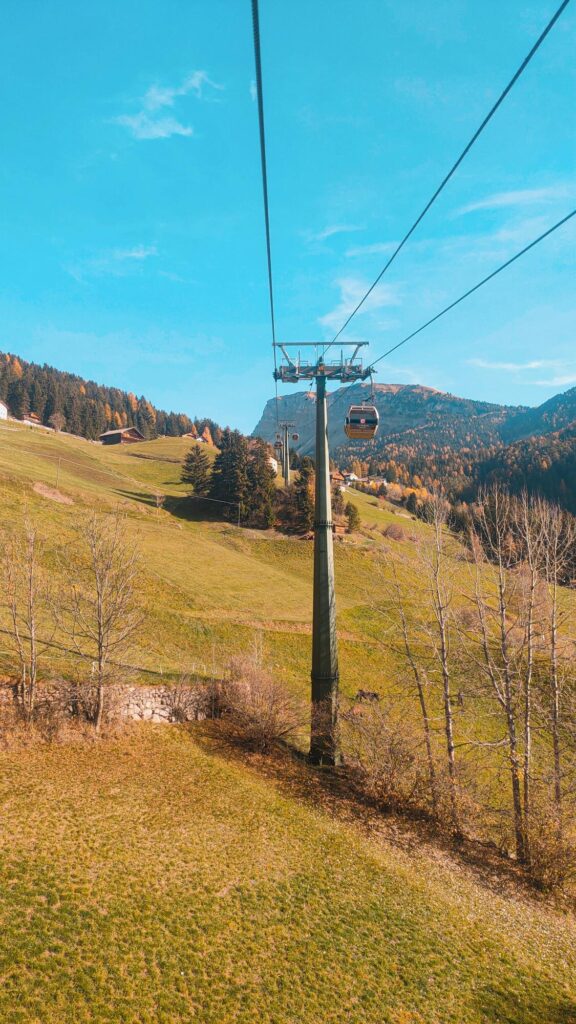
{"x": 324, "y": 736}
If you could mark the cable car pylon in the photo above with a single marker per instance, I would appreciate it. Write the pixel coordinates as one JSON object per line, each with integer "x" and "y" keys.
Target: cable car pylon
{"x": 282, "y": 435}
{"x": 325, "y": 676}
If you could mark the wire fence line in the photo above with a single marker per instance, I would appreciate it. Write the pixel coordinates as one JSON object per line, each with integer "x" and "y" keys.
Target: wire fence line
{"x": 57, "y": 646}
{"x": 118, "y": 476}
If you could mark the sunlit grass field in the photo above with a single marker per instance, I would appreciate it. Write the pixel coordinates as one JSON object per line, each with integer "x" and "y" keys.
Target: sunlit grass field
{"x": 151, "y": 879}
{"x": 209, "y": 588}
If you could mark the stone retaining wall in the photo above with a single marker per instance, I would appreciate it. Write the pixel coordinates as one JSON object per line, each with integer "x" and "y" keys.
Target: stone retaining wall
{"x": 161, "y": 703}
{"x": 138, "y": 703}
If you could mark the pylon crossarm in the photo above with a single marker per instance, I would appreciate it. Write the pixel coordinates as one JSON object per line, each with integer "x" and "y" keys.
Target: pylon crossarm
{"x": 345, "y": 372}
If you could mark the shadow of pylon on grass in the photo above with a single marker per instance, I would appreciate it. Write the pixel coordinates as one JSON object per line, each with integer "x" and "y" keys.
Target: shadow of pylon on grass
{"x": 333, "y": 791}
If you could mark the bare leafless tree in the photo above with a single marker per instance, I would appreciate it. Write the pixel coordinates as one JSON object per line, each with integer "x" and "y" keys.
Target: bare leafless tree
{"x": 560, "y": 540}
{"x": 415, "y": 620}
{"x": 501, "y": 637}
{"x": 398, "y": 617}
{"x": 102, "y": 614}
{"x": 434, "y": 560}
{"x": 385, "y": 753}
{"x": 529, "y": 524}
{"x": 259, "y": 711}
{"x": 29, "y": 607}
{"x": 417, "y": 668}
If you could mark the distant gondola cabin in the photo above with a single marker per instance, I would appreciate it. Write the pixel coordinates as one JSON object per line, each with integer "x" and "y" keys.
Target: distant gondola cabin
{"x": 125, "y": 435}
{"x": 361, "y": 422}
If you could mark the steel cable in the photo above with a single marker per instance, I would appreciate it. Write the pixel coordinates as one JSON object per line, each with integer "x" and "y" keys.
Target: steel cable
{"x": 260, "y": 99}
{"x": 455, "y": 166}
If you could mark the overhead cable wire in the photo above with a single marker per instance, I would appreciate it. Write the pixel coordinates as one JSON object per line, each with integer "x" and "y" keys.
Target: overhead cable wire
{"x": 456, "y": 165}
{"x": 470, "y": 291}
{"x": 260, "y": 99}
{"x": 477, "y": 286}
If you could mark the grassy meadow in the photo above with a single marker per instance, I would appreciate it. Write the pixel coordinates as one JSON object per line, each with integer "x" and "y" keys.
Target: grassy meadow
{"x": 161, "y": 878}
{"x": 209, "y": 588}
{"x": 157, "y": 879}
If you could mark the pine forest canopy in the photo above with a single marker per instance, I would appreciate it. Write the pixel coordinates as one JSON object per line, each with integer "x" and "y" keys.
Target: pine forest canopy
{"x": 82, "y": 407}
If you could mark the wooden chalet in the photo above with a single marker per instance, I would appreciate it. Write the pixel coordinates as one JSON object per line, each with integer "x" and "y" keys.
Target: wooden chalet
{"x": 124, "y": 435}
{"x": 32, "y": 420}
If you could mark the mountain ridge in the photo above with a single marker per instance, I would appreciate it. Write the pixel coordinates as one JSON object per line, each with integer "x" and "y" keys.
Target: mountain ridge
{"x": 552, "y": 415}
{"x": 403, "y": 409}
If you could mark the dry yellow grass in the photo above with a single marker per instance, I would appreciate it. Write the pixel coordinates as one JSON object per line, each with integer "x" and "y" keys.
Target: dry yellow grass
{"x": 151, "y": 880}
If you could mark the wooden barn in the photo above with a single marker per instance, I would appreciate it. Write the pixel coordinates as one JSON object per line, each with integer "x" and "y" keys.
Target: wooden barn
{"x": 32, "y": 420}
{"x": 125, "y": 435}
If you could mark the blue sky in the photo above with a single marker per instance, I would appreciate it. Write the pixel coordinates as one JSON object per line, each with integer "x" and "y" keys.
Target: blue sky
{"x": 131, "y": 243}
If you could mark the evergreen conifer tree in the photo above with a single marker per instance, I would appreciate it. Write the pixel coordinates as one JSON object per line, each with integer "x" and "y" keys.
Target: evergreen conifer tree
{"x": 37, "y": 398}
{"x": 196, "y": 471}
{"x": 411, "y": 503}
{"x": 229, "y": 482}
{"x": 261, "y": 492}
{"x": 18, "y": 401}
{"x": 304, "y": 495}
{"x": 353, "y": 516}
{"x": 337, "y": 500}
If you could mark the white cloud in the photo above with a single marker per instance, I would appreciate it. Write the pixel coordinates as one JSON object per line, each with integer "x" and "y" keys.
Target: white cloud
{"x": 534, "y": 364}
{"x": 142, "y": 126}
{"x": 564, "y": 376}
{"x": 352, "y": 289}
{"x": 333, "y": 229}
{"x": 118, "y": 263}
{"x": 376, "y": 249}
{"x": 421, "y": 90}
{"x": 148, "y": 124}
{"x": 171, "y": 276}
{"x": 520, "y": 197}
{"x": 253, "y": 93}
{"x": 139, "y": 252}
{"x": 159, "y": 96}
{"x": 494, "y": 245}
{"x": 562, "y": 380}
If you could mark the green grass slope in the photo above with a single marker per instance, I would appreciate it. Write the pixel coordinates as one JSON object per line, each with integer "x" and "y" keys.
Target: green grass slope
{"x": 209, "y": 588}
{"x": 150, "y": 880}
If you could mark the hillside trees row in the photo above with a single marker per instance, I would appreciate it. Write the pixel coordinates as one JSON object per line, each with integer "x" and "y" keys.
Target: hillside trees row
{"x": 295, "y": 504}
{"x": 485, "y": 655}
{"x": 544, "y": 464}
{"x": 240, "y": 483}
{"x": 65, "y": 401}
{"x": 242, "y": 486}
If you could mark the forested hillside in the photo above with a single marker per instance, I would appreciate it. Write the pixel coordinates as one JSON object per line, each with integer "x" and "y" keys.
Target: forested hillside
{"x": 67, "y": 402}
{"x": 544, "y": 464}
{"x": 553, "y": 415}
